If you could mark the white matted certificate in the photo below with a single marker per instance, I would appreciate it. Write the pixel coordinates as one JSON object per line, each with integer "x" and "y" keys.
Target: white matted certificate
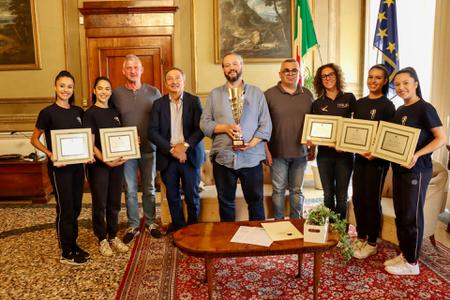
{"x": 71, "y": 146}
{"x": 395, "y": 142}
{"x": 356, "y": 135}
{"x": 119, "y": 142}
{"x": 320, "y": 129}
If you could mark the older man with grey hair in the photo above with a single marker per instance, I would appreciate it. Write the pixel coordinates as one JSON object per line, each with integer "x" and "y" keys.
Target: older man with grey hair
{"x": 134, "y": 101}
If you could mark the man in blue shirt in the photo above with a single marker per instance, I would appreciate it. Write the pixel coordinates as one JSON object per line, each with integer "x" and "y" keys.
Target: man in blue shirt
{"x": 243, "y": 163}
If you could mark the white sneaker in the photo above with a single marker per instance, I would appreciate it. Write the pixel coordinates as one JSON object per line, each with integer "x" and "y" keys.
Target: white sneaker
{"x": 365, "y": 251}
{"x": 105, "y": 249}
{"x": 119, "y": 246}
{"x": 357, "y": 244}
{"x": 403, "y": 268}
{"x": 393, "y": 261}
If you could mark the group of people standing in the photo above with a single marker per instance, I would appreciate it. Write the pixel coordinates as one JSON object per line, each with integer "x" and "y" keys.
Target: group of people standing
{"x": 171, "y": 129}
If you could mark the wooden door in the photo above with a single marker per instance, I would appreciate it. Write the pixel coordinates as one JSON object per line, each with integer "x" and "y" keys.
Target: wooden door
{"x": 117, "y": 28}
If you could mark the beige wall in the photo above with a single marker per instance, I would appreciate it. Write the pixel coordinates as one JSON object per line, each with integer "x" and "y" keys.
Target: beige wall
{"x": 24, "y": 92}
{"x": 62, "y": 45}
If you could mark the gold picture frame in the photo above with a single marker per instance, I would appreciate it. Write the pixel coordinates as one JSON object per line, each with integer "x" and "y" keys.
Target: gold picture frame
{"x": 19, "y": 37}
{"x": 356, "y": 135}
{"x": 320, "y": 129}
{"x": 119, "y": 142}
{"x": 71, "y": 146}
{"x": 395, "y": 143}
{"x": 267, "y": 37}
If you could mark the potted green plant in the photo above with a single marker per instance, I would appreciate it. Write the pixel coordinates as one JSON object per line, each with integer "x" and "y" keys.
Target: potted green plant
{"x": 316, "y": 229}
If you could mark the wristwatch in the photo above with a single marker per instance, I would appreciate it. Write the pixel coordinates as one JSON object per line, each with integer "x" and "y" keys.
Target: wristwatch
{"x": 186, "y": 145}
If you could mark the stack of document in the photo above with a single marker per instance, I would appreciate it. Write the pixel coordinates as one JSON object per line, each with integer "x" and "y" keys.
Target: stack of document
{"x": 270, "y": 232}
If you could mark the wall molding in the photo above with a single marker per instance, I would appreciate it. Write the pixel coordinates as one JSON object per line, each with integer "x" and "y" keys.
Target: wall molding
{"x": 18, "y": 118}
{"x": 31, "y": 100}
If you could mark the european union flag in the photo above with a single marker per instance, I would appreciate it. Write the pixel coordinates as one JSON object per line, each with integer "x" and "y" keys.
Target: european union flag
{"x": 386, "y": 37}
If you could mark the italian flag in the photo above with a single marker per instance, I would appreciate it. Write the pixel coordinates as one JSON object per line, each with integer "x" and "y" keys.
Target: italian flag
{"x": 304, "y": 34}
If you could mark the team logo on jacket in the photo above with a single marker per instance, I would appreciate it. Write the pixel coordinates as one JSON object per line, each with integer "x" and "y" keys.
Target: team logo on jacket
{"x": 342, "y": 105}
{"x": 325, "y": 108}
{"x": 117, "y": 120}
{"x": 373, "y": 112}
{"x": 404, "y": 118}
{"x": 79, "y": 120}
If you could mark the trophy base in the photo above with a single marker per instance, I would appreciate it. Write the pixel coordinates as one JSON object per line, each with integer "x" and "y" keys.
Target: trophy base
{"x": 238, "y": 144}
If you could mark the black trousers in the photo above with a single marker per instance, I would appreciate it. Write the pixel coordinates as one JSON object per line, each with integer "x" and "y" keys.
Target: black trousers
{"x": 409, "y": 191}
{"x": 252, "y": 186}
{"x": 368, "y": 181}
{"x": 106, "y": 189}
{"x": 67, "y": 184}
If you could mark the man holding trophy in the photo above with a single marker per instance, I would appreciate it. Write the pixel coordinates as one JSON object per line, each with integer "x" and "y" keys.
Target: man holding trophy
{"x": 236, "y": 117}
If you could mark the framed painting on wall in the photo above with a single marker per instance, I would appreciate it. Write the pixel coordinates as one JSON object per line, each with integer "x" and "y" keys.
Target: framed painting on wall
{"x": 19, "y": 46}
{"x": 259, "y": 30}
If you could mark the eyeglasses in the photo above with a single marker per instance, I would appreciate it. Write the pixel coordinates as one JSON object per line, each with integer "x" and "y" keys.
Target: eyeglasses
{"x": 328, "y": 76}
{"x": 287, "y": 71}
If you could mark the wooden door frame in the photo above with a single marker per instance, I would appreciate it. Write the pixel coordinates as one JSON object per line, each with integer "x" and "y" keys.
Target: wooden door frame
{"x": 127, "y": 19}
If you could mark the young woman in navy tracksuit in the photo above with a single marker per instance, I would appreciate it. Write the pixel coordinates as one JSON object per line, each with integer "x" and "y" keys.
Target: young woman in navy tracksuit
{"x": 335, "y": 167}
{"x": 105, "y": 177}
{"x": 410, "y": 182}
{"x": 369, "y": 172}
{"x": 67, "y": 181}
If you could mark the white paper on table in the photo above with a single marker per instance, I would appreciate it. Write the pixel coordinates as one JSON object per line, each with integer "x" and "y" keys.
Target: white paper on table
{"x": 252, "y": 235}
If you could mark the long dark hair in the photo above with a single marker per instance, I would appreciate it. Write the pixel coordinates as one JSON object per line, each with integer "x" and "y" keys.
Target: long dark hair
{"x": 385, "y": 88}
{"x": 97, "y": 80}
{"x": 318, "y": 84}
{"x": 67, "y": 74}
{"x": 413, "y": 74}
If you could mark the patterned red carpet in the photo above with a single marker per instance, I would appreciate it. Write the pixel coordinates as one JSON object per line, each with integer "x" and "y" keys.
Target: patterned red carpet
{"x": 158, "y": 271}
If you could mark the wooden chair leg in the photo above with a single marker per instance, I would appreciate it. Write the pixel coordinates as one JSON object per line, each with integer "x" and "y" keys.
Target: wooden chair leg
{"x": 433, "y": 240}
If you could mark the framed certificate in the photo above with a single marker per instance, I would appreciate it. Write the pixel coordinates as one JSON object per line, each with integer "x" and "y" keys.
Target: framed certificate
{"x": 395, "y": 142}
{"x": 71, "y": 146}
{"x": 356, "y": 135}
{"x": 119, "y": 142}
{"x": 320, "y": 129}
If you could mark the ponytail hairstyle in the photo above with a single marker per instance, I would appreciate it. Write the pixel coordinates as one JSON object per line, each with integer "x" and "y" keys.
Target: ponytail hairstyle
{"x": 413, "y": 74}
{"x": 385, "y": 88}
{"x": 68, "y": 75}
{"x": 97, "y": 80}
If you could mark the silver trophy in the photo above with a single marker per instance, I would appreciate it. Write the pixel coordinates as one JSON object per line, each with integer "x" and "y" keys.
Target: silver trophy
{"x": 237, "y": 106}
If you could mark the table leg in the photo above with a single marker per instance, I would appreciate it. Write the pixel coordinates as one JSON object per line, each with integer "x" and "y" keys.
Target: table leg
{"x": 300, "y": 261}
{"x": 317, "y": 265}
{"x": 209, "y": 277}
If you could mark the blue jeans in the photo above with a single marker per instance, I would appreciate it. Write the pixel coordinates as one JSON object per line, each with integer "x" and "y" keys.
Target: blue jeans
{"x": 335, "y": 172}
{"x": 252, "y": 186}
{"x": 288, "y": 173}
{"x": 147, "y": 168}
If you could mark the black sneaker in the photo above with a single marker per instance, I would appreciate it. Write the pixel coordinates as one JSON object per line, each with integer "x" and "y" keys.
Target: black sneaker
{"x": 130, "y": 235}
{"x": 154, "y": 230}
{"x": 72, "y": 259}
{"x": 80, "y": 252}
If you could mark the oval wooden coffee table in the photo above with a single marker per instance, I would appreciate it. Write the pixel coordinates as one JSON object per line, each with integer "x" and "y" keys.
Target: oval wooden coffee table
{"x": 212, "y": 240}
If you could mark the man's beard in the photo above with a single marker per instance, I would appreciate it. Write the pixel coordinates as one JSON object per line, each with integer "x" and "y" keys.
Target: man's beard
{"x": 234, "y": 79}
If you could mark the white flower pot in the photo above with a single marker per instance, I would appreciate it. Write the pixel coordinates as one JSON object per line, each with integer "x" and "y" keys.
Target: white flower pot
{"x": 315, "y": 234}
